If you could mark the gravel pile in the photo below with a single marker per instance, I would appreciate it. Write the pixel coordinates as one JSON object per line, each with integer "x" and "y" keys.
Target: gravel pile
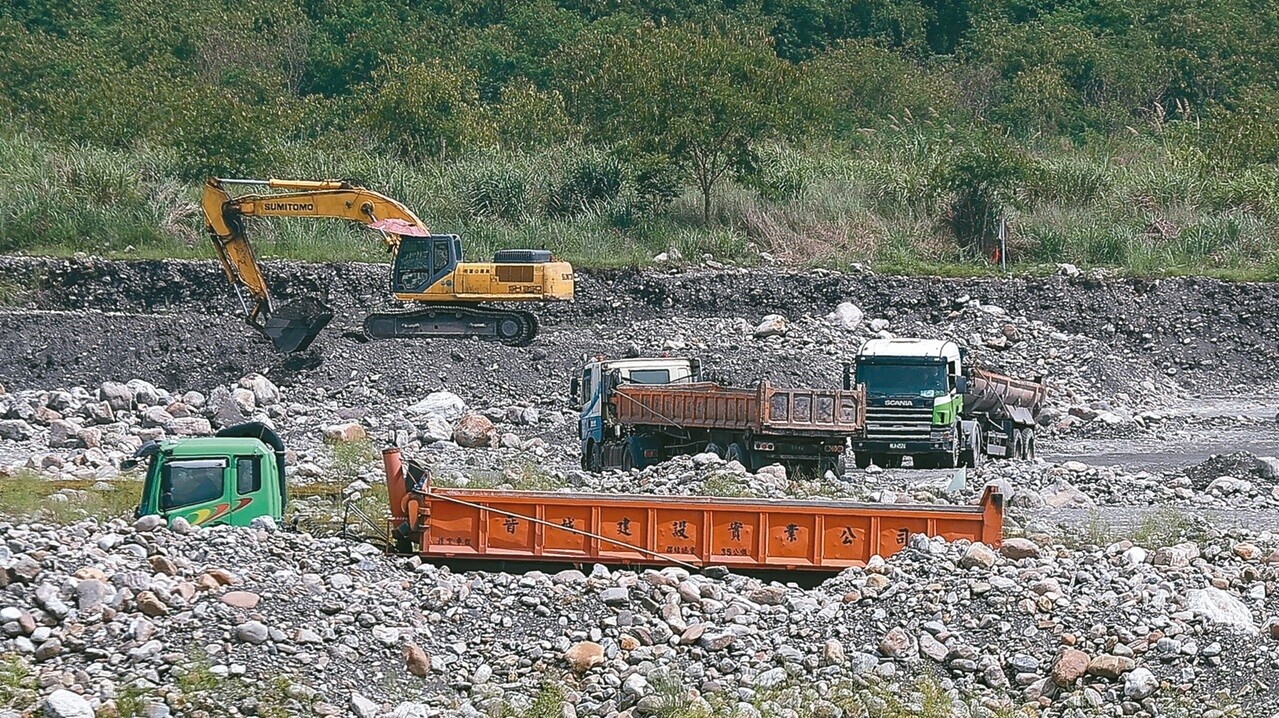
{"x": 1241, "y": 480}
{"x": 1109, "y": 346}
{"x": 245, "y": 621}
{"x": 127, "y": 618}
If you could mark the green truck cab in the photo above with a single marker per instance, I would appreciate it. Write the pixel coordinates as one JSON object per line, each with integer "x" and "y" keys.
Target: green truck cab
{"x": 231, "y": 478}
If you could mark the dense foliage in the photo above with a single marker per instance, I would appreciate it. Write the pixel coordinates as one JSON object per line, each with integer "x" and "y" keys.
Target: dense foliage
{"x": 817, "y": 129}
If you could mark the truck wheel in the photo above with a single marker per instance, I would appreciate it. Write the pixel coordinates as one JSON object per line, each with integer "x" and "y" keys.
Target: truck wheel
{"x": 736, "y": 453}
{"x": 861, "y": 459}
{"x": 1019, "y": 445}
{"x": 972, "y": 458}
{"x": 713, "y": 448}
{"x": 1028, "y": 443}
{"x": 595, "y": 462}
{"x": 628, "y": 459}
{"x": 975, "y": 454}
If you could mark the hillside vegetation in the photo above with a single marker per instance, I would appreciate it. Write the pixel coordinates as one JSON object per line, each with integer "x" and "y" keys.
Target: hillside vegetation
{"x": 1140, "y": 134}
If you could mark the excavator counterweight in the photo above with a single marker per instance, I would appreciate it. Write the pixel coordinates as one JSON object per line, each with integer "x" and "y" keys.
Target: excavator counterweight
{"x": 427, "y": 269}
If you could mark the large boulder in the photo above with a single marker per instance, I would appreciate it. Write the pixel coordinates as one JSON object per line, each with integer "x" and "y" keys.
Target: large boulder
{"x": 581, "y": 657}
{"x": 435, "y": 429}
{"x": 345, "y": 433}
{"x": 978, "y": 555}
{"x": 1069, "y": 667}
{"x": 63, "y": 703}
{"x": 63, "y": 435}
{"x": 118, "y": 396}
{"x": 144, "y": 392}
{"x": 223, "y": 408}
{"x": 443, "y": 404}
{"x": 771, "y": 326}
{"x": 473, "y": 431}
{"x": 190, "y": 426}
{"x": 847, "y": 316}
{"x": 1221, "y": 609}
{"x": 264, "y": 392}
{"x": 15, "y": 430}
{"x": 897, "y": 643}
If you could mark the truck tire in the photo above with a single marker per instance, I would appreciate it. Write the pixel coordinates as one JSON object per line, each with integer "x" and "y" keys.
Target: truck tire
{"x": 1019, "y": 446}
{"x": 628, "y": 459}
{"x": 1028, "y": 443}
{"x": 974, "y": 455}
{"x": 739, "y": 454}
{"x": 713, "y": 448}
{"x": 595, "y": 460}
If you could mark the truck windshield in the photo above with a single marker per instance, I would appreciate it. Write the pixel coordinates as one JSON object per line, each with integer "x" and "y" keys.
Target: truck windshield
{"x": 649, "y": 376}
{"x": 926, "y": 380}
{"x": 188, "y": 482}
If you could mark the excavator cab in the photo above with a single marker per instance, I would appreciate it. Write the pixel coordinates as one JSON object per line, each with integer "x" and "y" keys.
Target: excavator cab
{"x": 420, "y": 262}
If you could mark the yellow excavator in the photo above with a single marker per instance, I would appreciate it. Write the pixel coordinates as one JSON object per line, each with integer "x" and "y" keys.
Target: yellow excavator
{"x": 425, "y": 268}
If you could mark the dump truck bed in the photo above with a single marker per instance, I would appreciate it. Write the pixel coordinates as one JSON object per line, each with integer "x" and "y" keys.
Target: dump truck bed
{"x": 763, "y": 410}
{"x": 689, "y": 530}
{"x": 994, "y": 393}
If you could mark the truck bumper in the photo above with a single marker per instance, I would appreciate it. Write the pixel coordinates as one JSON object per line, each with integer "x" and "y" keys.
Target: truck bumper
{"x": 904, "y": 448}
{"x": 797, "y": 451}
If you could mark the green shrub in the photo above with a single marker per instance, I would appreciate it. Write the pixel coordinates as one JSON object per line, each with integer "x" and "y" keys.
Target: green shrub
{"x": 590, "y": 184}
{"x": 499, "y": 192}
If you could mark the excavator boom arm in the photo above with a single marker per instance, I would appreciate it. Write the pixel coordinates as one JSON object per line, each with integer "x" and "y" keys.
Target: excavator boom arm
{"x": 291, "y": 328}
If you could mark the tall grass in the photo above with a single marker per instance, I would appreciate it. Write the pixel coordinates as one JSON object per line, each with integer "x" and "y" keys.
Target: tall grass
{"x": 1145, "y": 205}
{"x": 30, "y": 496}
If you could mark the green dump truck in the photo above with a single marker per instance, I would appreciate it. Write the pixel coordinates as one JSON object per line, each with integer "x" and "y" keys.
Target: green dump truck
{"x": 923, "y": 400}
{"x": 232, "y": 477}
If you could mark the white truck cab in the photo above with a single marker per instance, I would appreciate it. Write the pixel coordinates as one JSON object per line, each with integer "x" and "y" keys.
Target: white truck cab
{"x": 588, "y": 389}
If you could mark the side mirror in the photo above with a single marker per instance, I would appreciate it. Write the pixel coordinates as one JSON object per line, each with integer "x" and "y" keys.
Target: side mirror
{"x": 128, "y": 464}
{"x": 961, "y": 384}
{"x": 848, "y": 376}
{"x": 575, "y": 389}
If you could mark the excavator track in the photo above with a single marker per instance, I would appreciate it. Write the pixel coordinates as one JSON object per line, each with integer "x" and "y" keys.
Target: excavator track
{"x": 455, "y": 321}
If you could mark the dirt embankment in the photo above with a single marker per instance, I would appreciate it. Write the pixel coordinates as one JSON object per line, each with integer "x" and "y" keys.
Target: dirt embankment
{"x": 177, "y": 323}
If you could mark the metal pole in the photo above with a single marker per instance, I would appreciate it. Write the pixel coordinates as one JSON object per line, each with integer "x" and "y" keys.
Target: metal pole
{"x": 1003, "y": 243}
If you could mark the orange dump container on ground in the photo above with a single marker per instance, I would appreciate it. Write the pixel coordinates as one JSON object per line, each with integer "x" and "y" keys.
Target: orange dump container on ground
{"x": 696, "y": 531}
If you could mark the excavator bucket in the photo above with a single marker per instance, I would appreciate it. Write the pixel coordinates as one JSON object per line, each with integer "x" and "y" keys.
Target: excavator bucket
{"x": 293, "y": 326}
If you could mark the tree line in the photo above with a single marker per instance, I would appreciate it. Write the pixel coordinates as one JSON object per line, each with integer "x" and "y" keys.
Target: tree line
{"x": 679, "y": 94}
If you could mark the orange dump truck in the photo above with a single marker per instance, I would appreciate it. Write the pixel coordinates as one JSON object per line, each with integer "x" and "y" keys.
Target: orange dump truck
{"x": 691, "y": 531}
{"x": 637, "y": 412}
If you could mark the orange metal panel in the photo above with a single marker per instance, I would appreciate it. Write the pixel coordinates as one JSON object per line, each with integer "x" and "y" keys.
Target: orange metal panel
{"x": 735, "y": 537}
{"x": 846, "y": 540}
{"x": 625, "y": 527}
{"x": 679, "y": 531}
{"x": 613, "y": 528}
{"x": 894, "y": 532}
{"x": 508, "y": 533}
{"x": 790, "y": 538}
{"x": 453, "y": 528}
{"x": 563, "y": 542}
